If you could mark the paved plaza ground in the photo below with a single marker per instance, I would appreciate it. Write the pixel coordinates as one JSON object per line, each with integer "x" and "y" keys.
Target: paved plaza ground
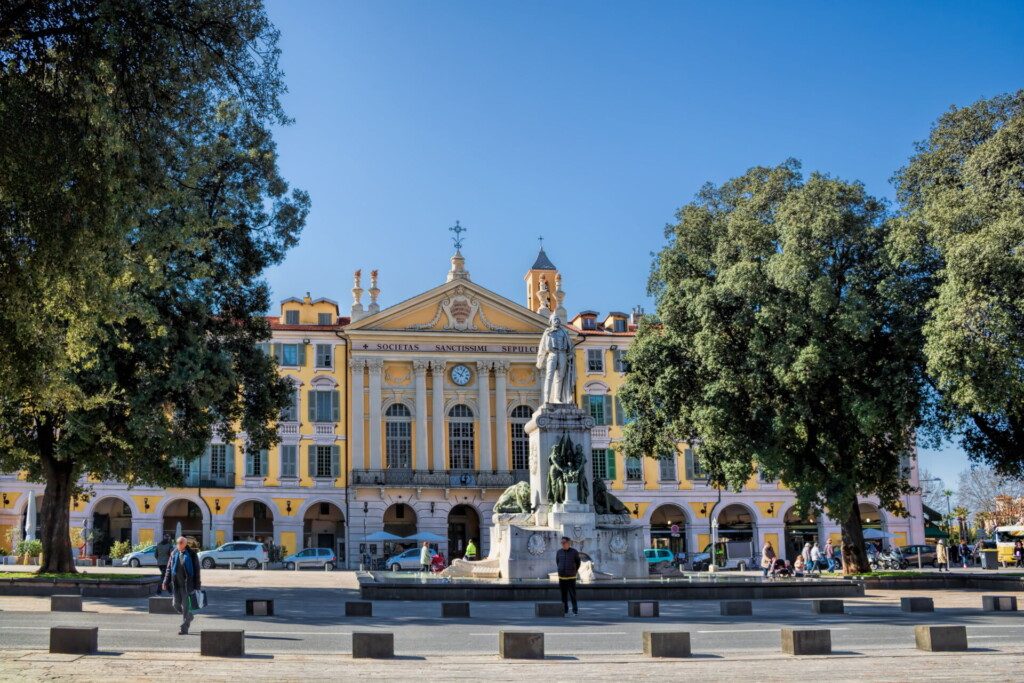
{"x": 309, "y": 637}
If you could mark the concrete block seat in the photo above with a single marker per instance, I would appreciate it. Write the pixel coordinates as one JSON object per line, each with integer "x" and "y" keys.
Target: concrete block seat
{"x": 452, "y": 610}
{"x": 358, "y": 608}
{"x": 941, "y": 638}
{"x": 65, "y": 603}
{"x": 666, "y": 643}
{"x": 827, "y": 606}
{"x": 259, "y": 607}
{"x": 731, "y": 608}
{"x": 373, "y": 645}
{"x": 642, "y": 608}
{"x": 917, "y": 604}
{"x": 221, "y": 643}
{"x": 999, "y": 603}
{"x": 548, "y": 609}
{"x": 159, "y": 604}
{"x": 802, "y": 641}
{"x": 520, "y": 644}
{"x": 74, "y": 640}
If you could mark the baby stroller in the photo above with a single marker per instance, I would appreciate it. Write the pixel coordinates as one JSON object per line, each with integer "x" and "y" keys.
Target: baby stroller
{"x": 779, "y": 568}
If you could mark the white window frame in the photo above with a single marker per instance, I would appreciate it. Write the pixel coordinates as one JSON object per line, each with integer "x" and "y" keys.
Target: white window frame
{"x": 461, "y": 437}
{"x": 595, "y": 360}
{"x": 640, "y": 464}
{"x": 321, "y": 317}
{"x": 398, "y": 436}
{"x": 520, "y": 440}
{"x": 291, "y": 317}
{"x": 327, "y": 355}
{"x": 218, "y": 460}
{"x": 291, "y": 471}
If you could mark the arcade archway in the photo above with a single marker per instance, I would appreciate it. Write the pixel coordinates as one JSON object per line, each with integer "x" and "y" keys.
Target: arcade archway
{"x": 323, "y": 526}
{"x": 463, "y": 526}
{"x": 253, "y": 521}
{"x": 668, "y": 528}
{"x": 111, "y": 522}
{"x": 184, "y": 517}
{"x": 799, "y": 531}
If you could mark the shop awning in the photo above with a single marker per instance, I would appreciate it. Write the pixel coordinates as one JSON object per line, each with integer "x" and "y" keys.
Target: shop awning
{"x": 935, "y": 532}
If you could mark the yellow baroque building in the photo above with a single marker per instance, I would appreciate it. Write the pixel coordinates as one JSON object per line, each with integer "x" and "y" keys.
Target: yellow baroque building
{"x": 409, "y": 420}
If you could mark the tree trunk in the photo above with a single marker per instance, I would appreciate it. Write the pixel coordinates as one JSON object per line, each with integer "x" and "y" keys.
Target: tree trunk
{"x": 855, "y": 559}
{"x": 55, "y": 533}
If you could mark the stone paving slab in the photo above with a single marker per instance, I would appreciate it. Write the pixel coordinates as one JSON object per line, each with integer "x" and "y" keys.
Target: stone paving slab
{"x": 884, "y": 665}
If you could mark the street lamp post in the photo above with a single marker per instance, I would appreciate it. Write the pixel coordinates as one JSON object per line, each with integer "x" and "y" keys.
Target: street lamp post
{"x": 713, "y": 565}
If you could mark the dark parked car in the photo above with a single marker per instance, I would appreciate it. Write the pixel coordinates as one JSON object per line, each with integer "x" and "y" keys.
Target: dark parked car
{"x": 927, "y": 554}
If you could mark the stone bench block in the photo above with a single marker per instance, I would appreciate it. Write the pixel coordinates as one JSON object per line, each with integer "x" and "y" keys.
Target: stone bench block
{"x": 941, "y": 638}
{"x": 74, "y": 640}
{"x": 548, "y": 609}
{"x": 65, "y": 603}
{"x": 373, "y": 645}
{"x": 917, "y": 605}
{"x": 666, "y": 643}
{"x": 521, "y": 644}
{"x": 803, "y": 641}
{"x": 259, "y": 608}
{"x": 827, "y": 607}
{"x": 454, "y": 609}
{"x": 642, "y": 608}
{"x": 358, "y": 608}
{"x": 222, "y": 643}
{"x": 161, "y": 605}
{"x": 731, "y": 608}
{"x": 999, "y": 603}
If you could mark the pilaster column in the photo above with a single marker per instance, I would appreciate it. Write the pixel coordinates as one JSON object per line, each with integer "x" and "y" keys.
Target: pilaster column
{"x": 355, "y": 430}
{"x": 501, "y": 416}
{"x": 375, "y": 366}
{"x": 483, "y": 386}
{"x": 437, "y": 374}
{"x": 419, "y": 368}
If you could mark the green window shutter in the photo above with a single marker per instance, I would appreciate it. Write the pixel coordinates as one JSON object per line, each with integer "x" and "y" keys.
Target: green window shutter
{"x": 275, "y": 349}
{"x": 302, "y": 355}
{"x": 311, "y": 465}
{"x": 248, "y": 462}
{"x": 311, "y": 398}
{"x": 618, "y": 412}
{"x": 609, "y": 455}
{"x": 229, "y": 460}
{"x": 688, "y": 457}
{"x": 585, "y": 400}
{"x": 607, "y": 409}
{"x": 263, "y": 461}
{"x": 335, "y": 461}
{"x": 336, "y": 405}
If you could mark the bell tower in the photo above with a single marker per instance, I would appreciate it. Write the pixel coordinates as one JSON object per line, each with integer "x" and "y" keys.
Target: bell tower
{"x": 543, "y": 285}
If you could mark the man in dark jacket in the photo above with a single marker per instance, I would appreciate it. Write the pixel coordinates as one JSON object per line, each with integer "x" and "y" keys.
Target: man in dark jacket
{"x": 183, "y": 575}
{"x": 163, "y": 556}
{"x": 567, "y": 559}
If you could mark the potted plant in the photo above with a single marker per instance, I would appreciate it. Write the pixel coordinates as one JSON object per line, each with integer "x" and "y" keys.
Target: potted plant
{"x": 29, "y": 549}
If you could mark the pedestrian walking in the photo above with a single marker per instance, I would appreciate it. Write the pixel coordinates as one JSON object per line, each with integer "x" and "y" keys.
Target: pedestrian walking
{"x": 767, "y": 558}
{"x": 815, "y": 557}
{"x": 965, "y": 554}
{"x": 183, "y": 576}
{"x": 163, "y": 556}
{"x": 470, "y": 550}
{"x": 799, "y": 565}
{"x": 567, "y": 560}
{"x": 425, "y": 557}
{"x": 1018, "y": 554}
{"x": 941, "y": 556}
{"x": 806, "y": 554}
{"x": 830, "y": 556}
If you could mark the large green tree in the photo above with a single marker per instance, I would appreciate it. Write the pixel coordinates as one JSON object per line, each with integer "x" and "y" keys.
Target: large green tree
{"x": 784, "y": 342}
{"x": 962, "y": 227}
{"x": 140, "y": 201}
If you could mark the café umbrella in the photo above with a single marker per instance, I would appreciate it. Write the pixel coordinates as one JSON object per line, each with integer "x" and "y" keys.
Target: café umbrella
{"x": 30, "y": 519}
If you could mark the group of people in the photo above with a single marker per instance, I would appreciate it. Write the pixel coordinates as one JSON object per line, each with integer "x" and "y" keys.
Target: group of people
{"x": 809, "y": 560}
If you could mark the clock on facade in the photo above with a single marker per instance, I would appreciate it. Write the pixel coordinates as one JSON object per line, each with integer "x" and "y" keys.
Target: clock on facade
{"x": 461, "y": 375}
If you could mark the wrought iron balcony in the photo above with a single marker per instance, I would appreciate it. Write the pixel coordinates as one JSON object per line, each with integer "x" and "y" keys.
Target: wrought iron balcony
{"x": 207, "y": 480}
{"x": 400, "y": 476}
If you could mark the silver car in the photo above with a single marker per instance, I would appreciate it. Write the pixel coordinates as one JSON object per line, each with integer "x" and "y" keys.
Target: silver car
{"x": 248, "y": 553}
{"x": 140, "y": 558}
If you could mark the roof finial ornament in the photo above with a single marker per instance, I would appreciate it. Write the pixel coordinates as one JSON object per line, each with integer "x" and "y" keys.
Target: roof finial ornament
{"x": 540, "y": 238}
{"x": 457, "y": 230}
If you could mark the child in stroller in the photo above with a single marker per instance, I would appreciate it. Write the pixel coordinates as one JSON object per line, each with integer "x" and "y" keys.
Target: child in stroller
{"x": 779, "y": 568}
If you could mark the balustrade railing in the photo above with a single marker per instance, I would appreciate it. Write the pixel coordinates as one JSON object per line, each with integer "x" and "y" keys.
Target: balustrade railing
{"x": 401, "y": 476}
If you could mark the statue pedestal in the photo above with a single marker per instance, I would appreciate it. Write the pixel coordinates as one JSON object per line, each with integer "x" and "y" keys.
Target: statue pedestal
{"x": 523, "y": 545}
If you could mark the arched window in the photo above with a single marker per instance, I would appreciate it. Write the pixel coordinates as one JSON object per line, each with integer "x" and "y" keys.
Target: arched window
{"x": 460, "y": 438}
{"x": 398, "y": 436}
{"x": 520, "y": 442}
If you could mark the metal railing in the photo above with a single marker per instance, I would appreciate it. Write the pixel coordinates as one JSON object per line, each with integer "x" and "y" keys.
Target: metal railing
{"x": 400, "y": 476}
{"x": 207, "y": 480}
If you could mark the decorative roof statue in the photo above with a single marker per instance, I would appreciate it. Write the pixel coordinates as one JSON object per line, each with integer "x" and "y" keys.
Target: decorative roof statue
{"x": 556, "y": 360}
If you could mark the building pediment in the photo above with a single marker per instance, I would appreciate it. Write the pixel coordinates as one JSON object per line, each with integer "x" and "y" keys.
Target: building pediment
{"x": 459, "y": 306}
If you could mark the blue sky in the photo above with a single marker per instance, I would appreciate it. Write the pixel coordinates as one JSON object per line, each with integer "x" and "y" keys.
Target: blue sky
{"x": 591, "y": 123}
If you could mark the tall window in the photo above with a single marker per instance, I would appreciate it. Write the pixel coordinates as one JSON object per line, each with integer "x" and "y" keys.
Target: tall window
{"x": 290, "y": 354}
{"x": 218, "y": 460}
{"x": 323, "y": 355}
{"x": 667, "y": 468}
{"x": 291, "y": 317}
{"x": 694, "y": 471}
{"x": 619, "y": 325}
{"x": 589, "y": 322}
{"x": 291, "y": 411}
{"x": 619, "y": 355}
{"x": 634, "y": 469}
{"x": 599, "y": 463}
{"x": 460, "y": 438}
{"x": 324, "y": 319}
{"x": 256, "y": 463}
{"x": 324, "y": 405}
{"x": 520, "y": 442}
{"x": 183, "y": 466}
{"x": 289, "y": 461}
{"x": 323, "y": 462}
{"x": 595, "y": 360}
{"x": 398, "y": 435}
{"x": 600, "y": 408}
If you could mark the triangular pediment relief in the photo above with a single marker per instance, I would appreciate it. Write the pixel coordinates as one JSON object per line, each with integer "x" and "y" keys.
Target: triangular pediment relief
{"x": 457, "y": 306}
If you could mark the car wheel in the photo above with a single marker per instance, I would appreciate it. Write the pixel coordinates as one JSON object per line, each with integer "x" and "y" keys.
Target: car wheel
{"x": 395, "y": 567}
{"x": 134, "y": 562}
{"x": 290, "y": 566}
{"x": 252, "y": 563}
{"x": 329, "y": 566}
{"x": 208, "y": 563}
{"x": 742, "y": 566}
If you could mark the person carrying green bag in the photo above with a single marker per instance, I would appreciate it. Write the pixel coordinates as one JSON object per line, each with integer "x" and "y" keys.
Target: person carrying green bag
{"x": 183, "y": 574}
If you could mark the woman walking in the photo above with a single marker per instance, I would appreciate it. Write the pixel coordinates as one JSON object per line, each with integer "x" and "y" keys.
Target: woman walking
{"x": 941, "y": 556}
{"x": 767, "y": 558}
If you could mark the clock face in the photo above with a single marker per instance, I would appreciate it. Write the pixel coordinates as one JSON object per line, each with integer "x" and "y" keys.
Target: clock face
{"x": 461, "y": 375}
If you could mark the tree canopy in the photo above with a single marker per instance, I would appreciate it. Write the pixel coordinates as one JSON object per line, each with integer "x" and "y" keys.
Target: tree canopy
{"x": 140, "y": 201}
{"x": 786, "y": 341}
{"x": 962, "y": 228}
